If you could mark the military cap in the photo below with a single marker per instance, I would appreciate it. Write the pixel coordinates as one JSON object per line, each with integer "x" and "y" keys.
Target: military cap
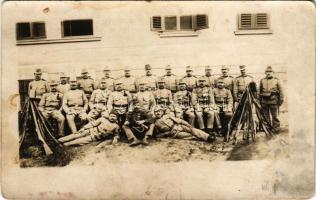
{"x": 126, "y": 69}
{"x": 106, "y": 69}
{"x": 38, "y": 71}
{"x": 208, "y": 68}
{"x": 103, "y": 80}
{"x": 73, "y": 79}
{"x": 188, "y": 68}
{"x": 168, "y": 67}
{"x": 157, "y": 108}
{"x": 201, "y": 79}
{"x": 224, "y": 67}
{"x": 84, "y": 71}
{"x": 118, "y": 83}
{"x": 53, "y": 82}
{"x": 242, "y": 67}
{"x": 220, "y": 80}
{"x": 147, "y": 67}
{"x": 269, "y": 69}
{"x": 182, "y": 82}
{"x": 161, "y": 80}
{"x": 62, "y": 75}
{"x": 113, "y": 112}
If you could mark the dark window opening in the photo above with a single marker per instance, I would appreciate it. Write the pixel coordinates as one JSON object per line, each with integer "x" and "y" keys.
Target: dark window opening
{"x": 77, "y": 27}
{"x": 27, "y": 30}
{"x": 186, "y": 22}
{"x": 171, "y": 23}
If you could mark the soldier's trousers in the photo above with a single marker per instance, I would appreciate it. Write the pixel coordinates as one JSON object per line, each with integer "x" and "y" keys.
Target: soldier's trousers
{"x": 210, "y": 116}
{"x": 270, "y": 111}
{"x": 71, "y": 119}
{"x": 95, "y": 114}
{"x": 179, "y": 113}
{"x": 59, "y": 117}
{"x": 130, "y": 135}
{"x": 185, "y": 132}
{"x": 224, "y": 120}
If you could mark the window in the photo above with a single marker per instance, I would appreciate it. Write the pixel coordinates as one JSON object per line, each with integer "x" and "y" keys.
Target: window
{"x": 179, "y": 23}
{"x": 250, "y": 21}
{"x": 77, "y": 27}
{"x": 30, "y": 30}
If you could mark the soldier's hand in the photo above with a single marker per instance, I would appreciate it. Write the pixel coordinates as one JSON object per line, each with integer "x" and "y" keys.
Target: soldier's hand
{"x": 281, "y": 101}
{"x": 115, "y": 141}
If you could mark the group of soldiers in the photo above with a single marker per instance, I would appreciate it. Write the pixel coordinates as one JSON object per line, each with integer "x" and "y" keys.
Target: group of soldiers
{"x": 149, "y": 106}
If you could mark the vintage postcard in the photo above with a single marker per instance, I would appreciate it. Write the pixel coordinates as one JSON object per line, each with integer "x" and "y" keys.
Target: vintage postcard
{"x": 158, "y": 100}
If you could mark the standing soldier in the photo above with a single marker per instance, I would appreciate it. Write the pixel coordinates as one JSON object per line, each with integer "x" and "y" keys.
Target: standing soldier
{"x": 86, "y": 83}
{"x": 171, "y": 80}
{"x": 228, "y": 80}
{"x": 149, "y": 78}
{"x": 50, "y": 107}
{"x": 190, "y": 79}
{"x": 224, "y": 101}
{"x": 128, "y": 81}
{"x": 98, "y": 102}
{"x": 210, "y": 79}
{"x": 37, "y": 87}
{"x": 204, "y": 105}
{"x": 120, "y": 101}
{"x": 163, "y": 97}
{"x": 75, "y": 104}
{"x": 183, "y": 103}
{"x": 63, "y": 86}
{"x": 241, "y": 83}
{"x": 271, "y": 97}
{"x": 145, "y": 98}
{"x": 109, "y": 80}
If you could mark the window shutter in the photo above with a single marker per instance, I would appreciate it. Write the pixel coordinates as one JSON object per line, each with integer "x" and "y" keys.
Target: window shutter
{"x": 245, "y": 21}
{"x": 201, "y": 22}
{"x": 156, "y": 23}
{"x": 261, "y": 21}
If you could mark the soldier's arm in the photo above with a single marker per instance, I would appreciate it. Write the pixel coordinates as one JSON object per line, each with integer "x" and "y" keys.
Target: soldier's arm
{"x": 152, "y": 101}
{"x": 64, "y": 104}
{"x": 281, "y": 94}
{"x": 110, "y": 102}
{"x": 42, "y": 103}
{"x": 92, "y": 100}
{"x": 194, "y": 98}
{"x": 170, "y": 97}
{"x": 230, "y": 100}
{"x": 235, "y": 88}
{"x": 60, "y": 98}
{"x": 179, "y": 121}
{"x": 85, "y": 102}
{"x": 211, "y": 97}
{"x": 93, "y": 123}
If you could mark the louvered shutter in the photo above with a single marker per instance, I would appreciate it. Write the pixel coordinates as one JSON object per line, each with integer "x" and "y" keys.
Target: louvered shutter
{"x": 156, "y": 23}
{"x": 245, "y": 21}
{"x": 201, "y": 22}
{"x": 261, "y": 21}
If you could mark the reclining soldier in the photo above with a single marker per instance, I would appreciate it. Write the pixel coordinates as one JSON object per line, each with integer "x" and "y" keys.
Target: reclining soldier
{"x": 98, "y": 130}
{"x": 169, "y": 126}
{"x": 183, "y": 103}
{"x": 50, "y": 107}
{"x": 138, "y": 125}
{"x": 98, "y": 101}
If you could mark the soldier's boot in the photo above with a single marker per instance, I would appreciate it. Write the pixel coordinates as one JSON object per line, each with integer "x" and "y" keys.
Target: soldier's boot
{"x": 199, "y": 116}
{"x": 135, "y": 142}
{"x": 145, "y": 140}
{"x": 71, "y": 123}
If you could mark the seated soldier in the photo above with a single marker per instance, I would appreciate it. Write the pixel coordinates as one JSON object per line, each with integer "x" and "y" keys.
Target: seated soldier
{"x": 145, "y": 98}
{"x": 50, "y": 106}
{"x": 98, "y": 101}
{"x": 138, "y": 125}
{"x": 224, "y": 102}
{"x": 169, "y": 126}
{"x": 97, "y": 130}
{"x": 163, "y": 97}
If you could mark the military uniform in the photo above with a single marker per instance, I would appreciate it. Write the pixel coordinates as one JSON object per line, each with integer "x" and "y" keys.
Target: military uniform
{"x": 271, "y": 97}
{"x": 100, "y": 129}
{"x": 63, "y": 88}
{"x": 228, "y": 81}
{"x": 146, "y": 99}
{"x": 203, "y": 102}
{"x": 129, "y": 83}
{"x": 171, "y": 82}
{"x": 163, "y": 98}
{"x": 98, "y": 103}
{"x": 183, "y": 105}
{"x": 50, "y": 106}
{"x": 37, "y": 88}
{"x": 210, "y": 81}
{"x": 109, "y": 83}
{"x": 75, "y": 103}
{"x": 240, "y": 85}
{"x": 151, "y": 82}
{"x": 87, "y": 85}
{"x": 190, "y": 81}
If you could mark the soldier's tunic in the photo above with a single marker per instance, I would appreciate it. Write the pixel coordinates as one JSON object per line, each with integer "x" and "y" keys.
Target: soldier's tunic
{"x": 191, "y": 82}
{"x": 168, "y": 126}
{"x": 151, "y": 82}
{"x": 97, "y": 130}
{"x": 98, "y": 103}
{"x": 240, "y": 84}
{"x": 228, "y": 81}
{"x": 183, "y": 106}
{"x": 171, "y": 82}
{"x": 37, "y": 89}
{"x": 163, "y": 97}
{"x": 203, "y": 102}
{"x": 109, "y": 83}
{"x": 129, "y": 83}
{"x": 145, "y": 99}
{"x": 210, "y": 80}
{"x": 120, "y": 102}
{"x": 132, "y": 127}
{"x": 87, "y": 85}
{"x": 50, "y": 106}
{"x": 271, "y": 96}
{"x": 224, "y": 102}
{"x": 75, "y": 103}
{"x": 63, "y": 88}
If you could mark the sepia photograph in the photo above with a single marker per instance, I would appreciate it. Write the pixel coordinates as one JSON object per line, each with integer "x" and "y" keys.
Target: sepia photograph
{"x": 158, "y": 100}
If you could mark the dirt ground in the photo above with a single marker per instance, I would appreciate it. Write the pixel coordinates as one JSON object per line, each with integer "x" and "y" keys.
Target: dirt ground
{"x": 171, "y": 150}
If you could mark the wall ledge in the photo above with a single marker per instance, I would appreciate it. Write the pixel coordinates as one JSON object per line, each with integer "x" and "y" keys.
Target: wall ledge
{"x": 253, "y": 32}
{"x": 179, "y": 34}
{"x": 59, "y": 40}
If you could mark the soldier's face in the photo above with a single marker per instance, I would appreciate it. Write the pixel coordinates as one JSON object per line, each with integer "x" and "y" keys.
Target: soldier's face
{"x": 127, "y": 73}
{"x": 168, "y": 72}
{"x": 220, "y": 85}
{"x": 201, "y": 83}
{"x": 37, "y": 76}
{"x": 207, "y": 72}
{"x": 161, "y": 85}
{"x": 102, "y": 85}
{"x": 189, "y": 73}
{"x": 142, "y": 88}
{"x": 119, "y": 87}
{"x": 53, "y": 88}
{"x": 63, "y": 80}
{"x": 225, "y": 72}
{"x": 269, "y": 74}
{"x": 148, "y": 72}
{"x": 107, "y": 74}
{"x": 158, "y": 113}
{"x": 84, "y": 75}
{"x": 73, "y": 85}
{"x": 112, "y": 118}
{"x": 183, "y": 87}
{"x": 243, "y": 72}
